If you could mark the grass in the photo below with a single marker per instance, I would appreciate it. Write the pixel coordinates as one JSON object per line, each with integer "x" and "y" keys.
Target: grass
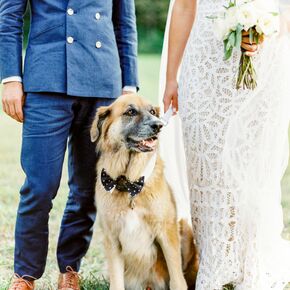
{"x": 11, "y": 178}
{"x": 149, "y": 74}
{"x": 93, "y": 282}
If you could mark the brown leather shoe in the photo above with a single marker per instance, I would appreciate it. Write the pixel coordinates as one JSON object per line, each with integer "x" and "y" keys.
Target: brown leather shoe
{"x": 20, "y": 283}
{"x": 69, "y": 280}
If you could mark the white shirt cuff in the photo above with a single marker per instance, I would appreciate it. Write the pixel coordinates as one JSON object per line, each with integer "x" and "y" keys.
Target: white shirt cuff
{"x": 12, "y": 79}
{"x": 19, "y": 79}
{"x": 130, "y": 89}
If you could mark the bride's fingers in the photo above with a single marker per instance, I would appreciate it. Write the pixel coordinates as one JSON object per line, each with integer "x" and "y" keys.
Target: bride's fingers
{"x": 175, "y": 104}
{"x": 249, "y": 47}
{"x": 248, "y": 53}
{"x": 248, "y": 41}
{"x": 261, "y": 39}
{"x": 166, "y": 103}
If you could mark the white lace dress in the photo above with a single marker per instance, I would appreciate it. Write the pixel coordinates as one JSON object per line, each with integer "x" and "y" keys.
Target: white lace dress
{"x": 236, "y": 152}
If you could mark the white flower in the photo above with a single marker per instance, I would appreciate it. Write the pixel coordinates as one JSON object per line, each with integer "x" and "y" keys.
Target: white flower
{"x": 221, "y": 28}
{"x": 266, "y": 5}
{"x": 268, "y": 24}
{"x": 262, "y": 14}
{"x": 231, "y": 19}
{"x": 247, "y": 15}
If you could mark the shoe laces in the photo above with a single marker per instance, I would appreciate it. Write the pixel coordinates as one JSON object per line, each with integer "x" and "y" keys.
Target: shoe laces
{"x": 20, "y": 280}
{"x": 71, "y": 277}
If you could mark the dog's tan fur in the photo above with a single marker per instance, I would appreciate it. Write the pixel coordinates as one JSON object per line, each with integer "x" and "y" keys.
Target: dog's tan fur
{"x": 143, "y": 245}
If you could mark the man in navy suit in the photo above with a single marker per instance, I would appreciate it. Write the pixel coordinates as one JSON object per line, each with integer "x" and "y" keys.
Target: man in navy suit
{"x": 80, "y": 55}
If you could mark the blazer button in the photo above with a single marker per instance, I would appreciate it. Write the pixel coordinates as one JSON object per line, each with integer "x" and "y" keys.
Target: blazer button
{"x": 70, "y": 12}
{"x": 98, "y": 16}
{"x": 98, "y": 44}
{"x": 70, "y": 40}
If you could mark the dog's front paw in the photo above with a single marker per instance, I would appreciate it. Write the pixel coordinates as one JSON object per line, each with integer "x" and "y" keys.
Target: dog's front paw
{"x": 118, "y": 285}
{"x": 116, "y": 288}
{"x": 178, "y": 285}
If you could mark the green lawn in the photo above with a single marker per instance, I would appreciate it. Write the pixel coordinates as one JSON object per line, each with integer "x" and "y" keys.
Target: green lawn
{"x": 11, "y": 178}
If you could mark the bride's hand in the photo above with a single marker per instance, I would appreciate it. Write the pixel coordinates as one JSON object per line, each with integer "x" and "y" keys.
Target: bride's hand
{"x": 251, "y": 48}
{"x": 171, "y": 96}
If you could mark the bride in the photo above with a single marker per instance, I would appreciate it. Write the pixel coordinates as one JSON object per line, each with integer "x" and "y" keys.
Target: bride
{"x": 236, "y": 150}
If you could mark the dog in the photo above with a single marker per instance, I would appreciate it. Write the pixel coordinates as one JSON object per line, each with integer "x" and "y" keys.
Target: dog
{"x": 145, "y": 244}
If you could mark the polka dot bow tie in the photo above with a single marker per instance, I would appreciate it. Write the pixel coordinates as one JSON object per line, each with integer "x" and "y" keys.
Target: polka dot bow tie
{"x": 122, "y": 184}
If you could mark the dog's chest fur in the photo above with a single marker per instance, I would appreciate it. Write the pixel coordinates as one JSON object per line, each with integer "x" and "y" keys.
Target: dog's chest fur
{"x": 139, "y": 249}
{"x": 136, "y": 231}
{"x": 137, "y": 243}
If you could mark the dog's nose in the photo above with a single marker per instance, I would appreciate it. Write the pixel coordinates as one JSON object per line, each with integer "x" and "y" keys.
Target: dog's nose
{"x": 156, "y": 126}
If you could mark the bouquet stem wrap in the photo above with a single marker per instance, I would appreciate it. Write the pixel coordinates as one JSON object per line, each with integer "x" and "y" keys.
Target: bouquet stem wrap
{"x": 247, "y": 77}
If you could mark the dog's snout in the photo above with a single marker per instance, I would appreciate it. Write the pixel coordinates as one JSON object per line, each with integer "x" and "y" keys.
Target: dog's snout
{"x": 156, "y": 126}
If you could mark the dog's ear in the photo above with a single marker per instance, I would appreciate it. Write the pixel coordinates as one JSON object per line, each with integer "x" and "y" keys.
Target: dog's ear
{"x": 157, "y": 110}
{"x": 101, "y": 115}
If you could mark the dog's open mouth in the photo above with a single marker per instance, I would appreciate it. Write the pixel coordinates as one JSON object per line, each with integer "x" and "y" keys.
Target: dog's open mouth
{"x": 144, "y": 145}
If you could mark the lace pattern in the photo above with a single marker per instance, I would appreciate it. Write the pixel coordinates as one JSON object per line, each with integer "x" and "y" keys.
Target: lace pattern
{"x": 234, "y": 160}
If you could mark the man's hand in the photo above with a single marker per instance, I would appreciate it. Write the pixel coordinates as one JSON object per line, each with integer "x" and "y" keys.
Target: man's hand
{"x": 13, "y": 99}
{"x": 124, "y": 92}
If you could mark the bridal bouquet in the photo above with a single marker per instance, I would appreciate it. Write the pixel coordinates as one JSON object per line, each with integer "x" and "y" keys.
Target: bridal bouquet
{"x": 259, "y": 18}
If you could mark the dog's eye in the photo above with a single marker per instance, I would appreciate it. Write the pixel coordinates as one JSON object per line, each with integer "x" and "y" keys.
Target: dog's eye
{"x": 131, "y": 112}
{"x": 152, "y": 112}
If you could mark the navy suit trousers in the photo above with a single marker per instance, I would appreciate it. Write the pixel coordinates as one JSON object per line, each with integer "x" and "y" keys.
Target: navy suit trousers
{"x": 51, "y": 122}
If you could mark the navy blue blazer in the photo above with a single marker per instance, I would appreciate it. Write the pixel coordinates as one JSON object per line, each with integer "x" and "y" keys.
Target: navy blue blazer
{"x": 78, "y": 47}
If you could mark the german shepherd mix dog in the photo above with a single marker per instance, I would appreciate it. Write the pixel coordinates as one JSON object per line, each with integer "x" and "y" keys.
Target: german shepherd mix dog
{"x": 146, "y": 246}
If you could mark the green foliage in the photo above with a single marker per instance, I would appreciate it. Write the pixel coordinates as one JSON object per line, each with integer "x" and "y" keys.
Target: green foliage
{"x": 254, "y": 35}
{"x": 229, "y": 287}
{"x": 231, "y": 4}
{"x": 94, "y": 283}
{"x": 26, "y": 27}
{"x": 238, "y": 39}
{"x": 152, "y": 14}
{"x": 151, "y": 20}
{"x": 233, "y": 40}
{"x": 150, "y": 41}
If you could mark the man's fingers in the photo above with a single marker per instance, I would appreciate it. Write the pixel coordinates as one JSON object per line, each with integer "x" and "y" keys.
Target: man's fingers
{"x": 245, "y": 33}
{"x": 18, "y": 110}
{"x": 4, "y": 105}
{"x": 13, "y": 98}
{"x": 11, "y": 110}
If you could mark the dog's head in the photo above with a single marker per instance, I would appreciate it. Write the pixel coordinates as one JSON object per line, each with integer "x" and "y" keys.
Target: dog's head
{"x": 130, "y": 123}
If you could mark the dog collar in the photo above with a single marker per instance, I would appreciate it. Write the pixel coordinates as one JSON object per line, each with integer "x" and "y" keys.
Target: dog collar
{"x": 121, "y": 183}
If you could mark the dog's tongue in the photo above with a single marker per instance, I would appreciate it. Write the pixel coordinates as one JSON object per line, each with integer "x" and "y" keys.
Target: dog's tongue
{"x": 150, "y": 143}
